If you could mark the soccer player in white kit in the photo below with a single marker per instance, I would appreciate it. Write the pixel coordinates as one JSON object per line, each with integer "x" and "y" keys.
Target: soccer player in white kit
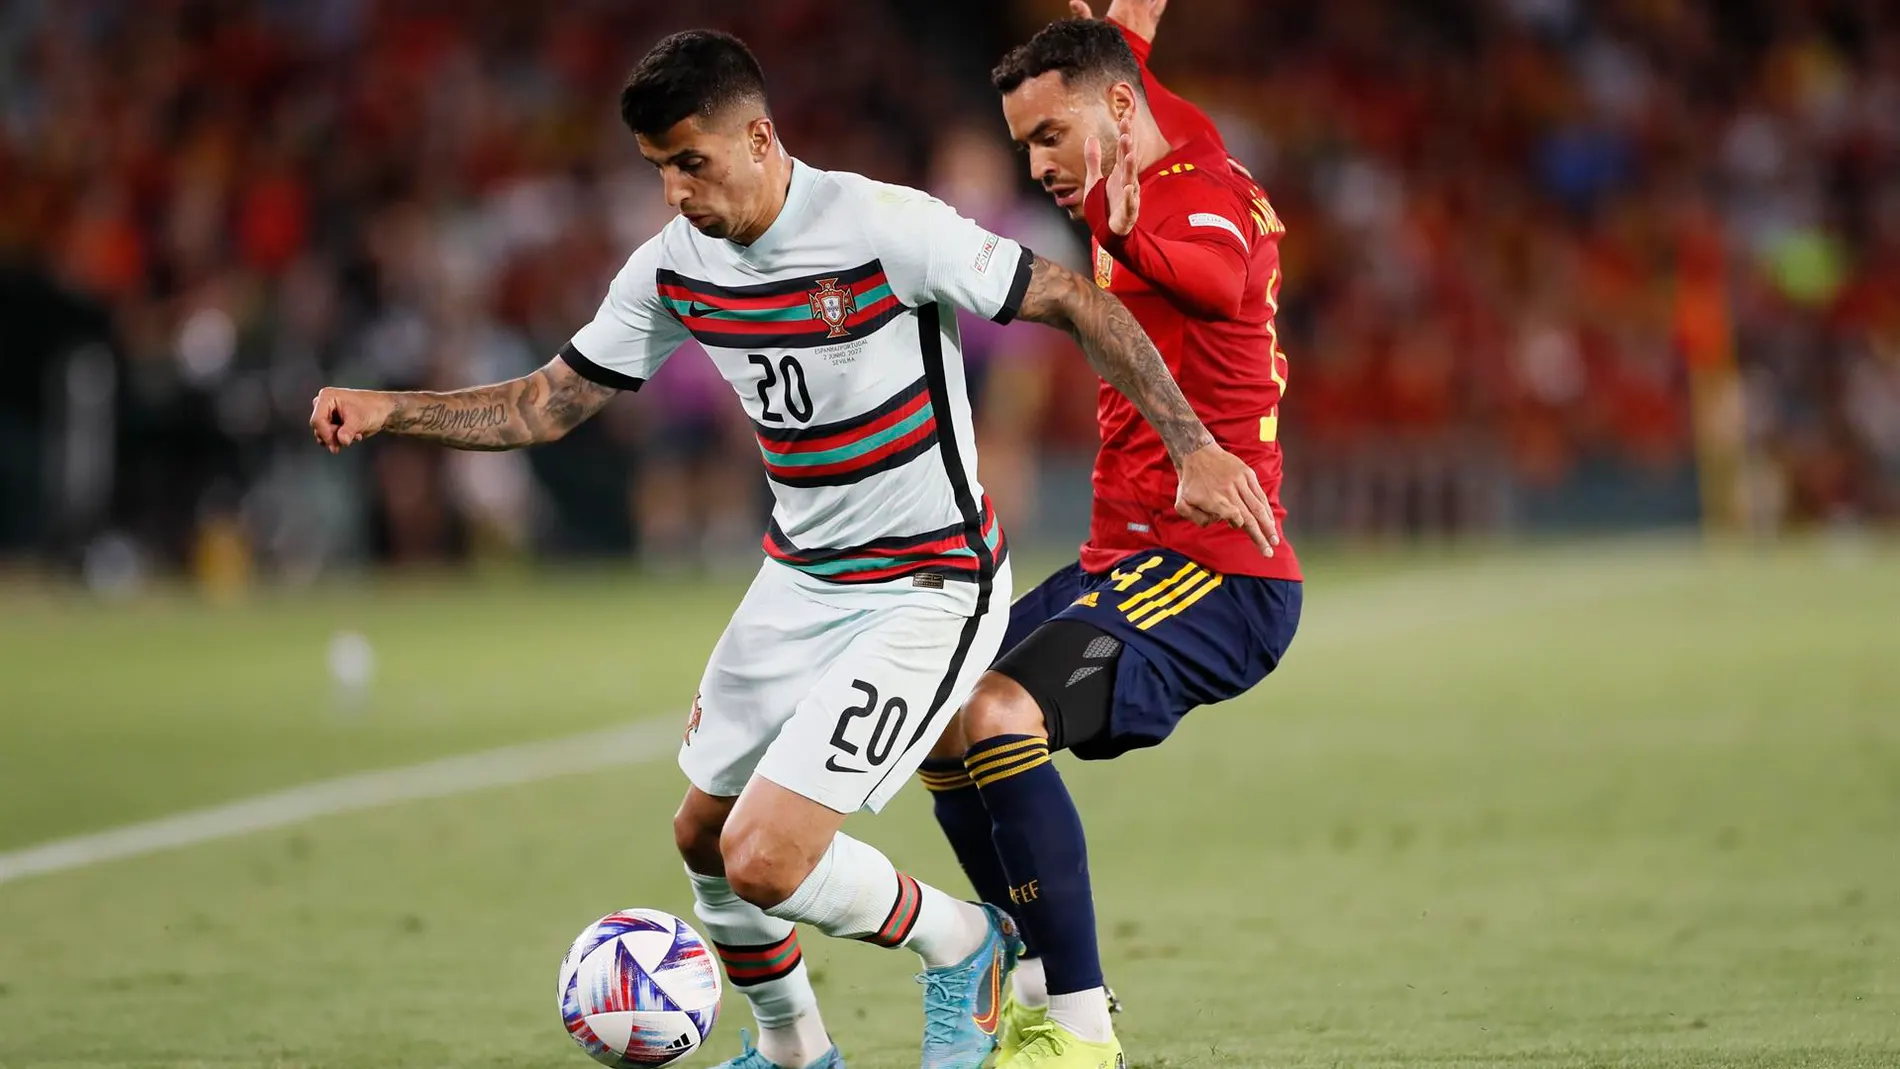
{"x": 821, "y": 296}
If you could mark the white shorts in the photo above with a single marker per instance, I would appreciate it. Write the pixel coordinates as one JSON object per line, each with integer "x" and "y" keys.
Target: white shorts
{"x": 837, "y": 699}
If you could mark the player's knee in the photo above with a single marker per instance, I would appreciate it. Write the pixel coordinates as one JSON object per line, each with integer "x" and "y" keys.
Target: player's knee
{"x": 697, "y": 838}
{"x": 1000, "y": 706}
{"x": 953, "y": 743}
{"x": 764, "y": 869}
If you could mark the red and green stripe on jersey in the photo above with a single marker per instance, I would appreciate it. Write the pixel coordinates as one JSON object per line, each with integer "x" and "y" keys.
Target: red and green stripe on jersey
{"x": 894, "y": 433}
{"x": 949, "y": 552}
{"x": 830, "y": 308}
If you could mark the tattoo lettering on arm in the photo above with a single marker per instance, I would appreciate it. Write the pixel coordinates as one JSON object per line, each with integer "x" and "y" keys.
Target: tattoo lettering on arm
{"x": 536, "y": 408}
{"x": 440, "y": 417}
{"x": 1118, "y": 349}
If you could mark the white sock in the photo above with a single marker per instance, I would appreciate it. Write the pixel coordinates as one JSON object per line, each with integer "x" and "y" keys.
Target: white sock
{"x": 855, "y": 892}
{"x": 1083, "y": 1012}
{"x": 1032, "y": 988}
{"x": 795, "y": 1045}
{"x": 791, "y": 1033}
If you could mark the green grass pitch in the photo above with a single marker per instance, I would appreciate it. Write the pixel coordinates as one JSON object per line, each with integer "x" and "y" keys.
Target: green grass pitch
{"x": 1621, "y": 805}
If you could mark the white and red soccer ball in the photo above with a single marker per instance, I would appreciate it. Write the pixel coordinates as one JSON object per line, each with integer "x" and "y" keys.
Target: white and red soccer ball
{"x": 639, "y": 988}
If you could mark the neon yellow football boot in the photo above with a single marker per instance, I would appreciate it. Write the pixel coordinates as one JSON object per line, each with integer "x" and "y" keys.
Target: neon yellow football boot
{"x": 1017, "y": 1020}
{"x": 1050, "y": 1046}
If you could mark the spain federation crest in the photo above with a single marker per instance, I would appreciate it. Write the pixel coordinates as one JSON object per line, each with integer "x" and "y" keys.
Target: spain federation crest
{"x": 832, "y": 305}
{"x": 1104, "y": 267}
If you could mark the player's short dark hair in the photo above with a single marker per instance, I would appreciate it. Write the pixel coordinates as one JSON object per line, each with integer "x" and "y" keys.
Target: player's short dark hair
{"x": 1083, "y": 50}
{"x": 693, "y": 72}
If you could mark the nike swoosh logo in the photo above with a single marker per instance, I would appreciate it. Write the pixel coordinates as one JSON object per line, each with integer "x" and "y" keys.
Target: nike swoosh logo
{"x": 832, "y": 764}
{"x": 990, "y": 1009}
{"x": 696, "y": 309}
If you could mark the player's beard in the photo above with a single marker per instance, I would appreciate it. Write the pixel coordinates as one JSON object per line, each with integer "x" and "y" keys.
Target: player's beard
{"x": 1110, "y": 139}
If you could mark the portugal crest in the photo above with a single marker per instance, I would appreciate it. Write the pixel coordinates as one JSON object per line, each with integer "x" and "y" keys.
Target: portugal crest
{"x": 832, "y": 305}
{"x": 692, "y": 722}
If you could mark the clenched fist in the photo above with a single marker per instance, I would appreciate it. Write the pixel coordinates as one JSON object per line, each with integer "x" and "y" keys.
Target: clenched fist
{"x": 341, "y": 418}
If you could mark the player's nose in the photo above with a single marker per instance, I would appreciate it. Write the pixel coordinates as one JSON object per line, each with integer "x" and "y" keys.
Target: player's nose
{"x": 675, "y": 190}
{"x": 1042, "y": 168}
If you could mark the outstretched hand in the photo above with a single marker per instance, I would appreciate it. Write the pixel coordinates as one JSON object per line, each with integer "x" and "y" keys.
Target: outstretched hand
{"x": 1124, "y": 190}
{"x": 1219, "y": 487}
{"x": 1142, "y": 17}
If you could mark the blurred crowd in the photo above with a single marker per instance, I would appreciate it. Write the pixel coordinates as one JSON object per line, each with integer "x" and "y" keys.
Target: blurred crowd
{"x": 1529, "y": 241}
{"x": 1558, "y": 224}
{"x": 268, "y": 197}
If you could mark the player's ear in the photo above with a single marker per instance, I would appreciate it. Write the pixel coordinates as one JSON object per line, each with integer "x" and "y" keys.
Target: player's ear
{"x": 1121, "y": 100}
{"x": 759, "y": 137}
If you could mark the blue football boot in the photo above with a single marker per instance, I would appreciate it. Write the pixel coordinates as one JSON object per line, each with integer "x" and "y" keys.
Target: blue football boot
{"x": 963, "y": 1003}
{"x": 750, "y": 1058}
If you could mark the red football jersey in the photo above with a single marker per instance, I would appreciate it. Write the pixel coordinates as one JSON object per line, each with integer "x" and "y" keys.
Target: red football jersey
{"x": 1201, "y": 273}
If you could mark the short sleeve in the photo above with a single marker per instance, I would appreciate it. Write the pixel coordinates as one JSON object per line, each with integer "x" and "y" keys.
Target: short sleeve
{"x": 932, "y": 254}
{"x": 633, "y": 332}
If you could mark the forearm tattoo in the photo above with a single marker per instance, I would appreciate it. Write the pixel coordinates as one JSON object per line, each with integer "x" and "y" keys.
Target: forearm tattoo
{"x": 1117, "y": 348}
{"x": 536, "y": 408}
{"x": 440, "y": 417}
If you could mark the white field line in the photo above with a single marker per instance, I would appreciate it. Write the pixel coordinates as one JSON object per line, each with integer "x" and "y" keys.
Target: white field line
{"x": 1382, "y": 610}
{"x": 449, "y": 776}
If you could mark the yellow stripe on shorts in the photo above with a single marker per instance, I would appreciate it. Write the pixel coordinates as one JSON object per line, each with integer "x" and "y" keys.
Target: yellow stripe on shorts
{"x": 1181, "y": 605}
{"x": 1197, "y": 582}
{"x": 1186, "y": 570}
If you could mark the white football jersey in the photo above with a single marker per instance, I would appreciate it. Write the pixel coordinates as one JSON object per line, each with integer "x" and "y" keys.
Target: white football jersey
{"x": 832, "y": 328}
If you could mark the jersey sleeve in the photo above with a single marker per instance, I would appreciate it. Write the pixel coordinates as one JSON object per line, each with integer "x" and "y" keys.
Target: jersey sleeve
{"x": 1180, "y": 121}
{"x": 633, "y": 332}
{"x": 931, "y": 253}
{"x": 1188, "y": 242}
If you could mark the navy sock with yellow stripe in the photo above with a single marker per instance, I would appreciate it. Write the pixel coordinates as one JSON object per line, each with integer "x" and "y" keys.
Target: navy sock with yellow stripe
{"x": 1038, "y": 835}
{"x": 965, "y": 821}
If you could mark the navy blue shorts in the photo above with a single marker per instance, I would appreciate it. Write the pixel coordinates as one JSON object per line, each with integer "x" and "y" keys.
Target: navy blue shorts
{"x": 1187, "y": 637}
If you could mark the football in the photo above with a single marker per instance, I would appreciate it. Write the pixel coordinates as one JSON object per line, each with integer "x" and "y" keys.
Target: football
{"x": 639, "y": 988}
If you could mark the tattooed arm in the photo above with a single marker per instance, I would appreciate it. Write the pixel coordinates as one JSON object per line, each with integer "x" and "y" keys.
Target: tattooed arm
{"x": 1214, "y": 484}
{"x": 1118, "y": 349}
{"x": 535, "y": 408}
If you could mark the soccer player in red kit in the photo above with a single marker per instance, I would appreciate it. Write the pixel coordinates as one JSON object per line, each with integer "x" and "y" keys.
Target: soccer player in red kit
{"x": 1159, "y": 615}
